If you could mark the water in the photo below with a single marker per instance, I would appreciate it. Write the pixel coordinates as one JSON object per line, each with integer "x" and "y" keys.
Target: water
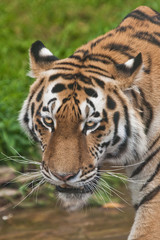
{"x": 53, "y": 223}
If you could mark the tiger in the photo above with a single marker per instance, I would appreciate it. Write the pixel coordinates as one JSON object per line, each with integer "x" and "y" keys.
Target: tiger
{"x": 101, "y": 105}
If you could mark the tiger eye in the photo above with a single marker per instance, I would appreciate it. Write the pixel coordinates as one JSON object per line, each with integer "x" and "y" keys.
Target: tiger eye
{"x": 90, "y": 124}
{"x": 48, "y": 121}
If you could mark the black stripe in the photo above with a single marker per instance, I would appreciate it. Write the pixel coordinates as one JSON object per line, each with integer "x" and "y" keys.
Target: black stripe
{"x": 147, "y": 69}
{"x": 90, "y": 103}
{"x": 106, "y": 59}
{"x": 63, "y": 68}
{"x": 51, "y": 100}
{"x": 76, "y": 57}
{"x": 39, "y": 108}
{"x": 154, "y": 142}
{"x": 105, "y": 117}
{"x": 99, "y": 82}
{"x": 123, "y": 146}
{"x": 127, "y": 126}
{"x": 116, "y": 139}
{"x": 147, "y": 111}
{"x": 40, "y": 123}
{"x": 137, "y": 14}
{"x": 157, "y": 34}
{"x": 98, "y": 41}
{"x": 111, "y": 104}
{"x": 45, "y": 109}
{"x": 125, "y": 108}
{"x": 58, "y": 88}
{"x": 91, "y": 92}
{"x": 96, "y": 67}
{"x": 134, "y": 96}
{"x": 148, "y": 197}
{"x": 53, "y": 77}
{"x": 100, "y": 128}
{"x": 99, "y": 136}
{"x": 147, "y": 37}
{"x": 71, "y": 64}
{"x": 151, "y": 177}
{"x": 26, "y": 119}
{"x": 79, "y": 76}
{"x": 32, "y": 108}
{"x": 103, "y": 75}
{"x": 123, "y": 28}
{"x": 105, "y": 144}
{"x": 39, "y": 95}
{"x": 116, "y": 122}
{"x": 123, "y": 49}
{"x": 146, "y": 161}
{"x": 84, "y": 79}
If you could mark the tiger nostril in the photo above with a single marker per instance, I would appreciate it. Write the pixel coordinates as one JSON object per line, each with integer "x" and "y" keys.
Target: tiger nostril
{"x": 64, "y": 177}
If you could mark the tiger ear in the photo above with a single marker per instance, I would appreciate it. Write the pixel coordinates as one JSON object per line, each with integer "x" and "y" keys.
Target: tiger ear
{"x": 40, "y": 58}
{"x": 129, "y": 72}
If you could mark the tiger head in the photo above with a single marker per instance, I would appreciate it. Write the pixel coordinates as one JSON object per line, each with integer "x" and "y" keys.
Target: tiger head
{"x": 80, "y": 113}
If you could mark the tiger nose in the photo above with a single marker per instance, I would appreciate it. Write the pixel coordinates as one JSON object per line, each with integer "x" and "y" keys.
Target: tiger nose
{"x": 64, "y": 177}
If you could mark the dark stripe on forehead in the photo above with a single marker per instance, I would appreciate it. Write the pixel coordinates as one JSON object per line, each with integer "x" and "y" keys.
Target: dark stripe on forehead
{"x": 63, "y": 68}
{"x": 147, "y": 37}
{"x": 54, "y": 76}
{"x": 99, "y": 82}
{"x": 123, "y": 49}
{"x": 75, "y": 76}
{"x": 74, "y": 86}
{"x": 91, "y": 92}
{"x": 98, "y": 73}
{"x": 58, "y": 88}
{"x": 97, "y": 68}
{"x": 106, "y": 59}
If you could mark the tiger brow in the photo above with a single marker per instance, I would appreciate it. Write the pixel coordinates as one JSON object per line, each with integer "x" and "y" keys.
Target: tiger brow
{"x": 52, "y": 100}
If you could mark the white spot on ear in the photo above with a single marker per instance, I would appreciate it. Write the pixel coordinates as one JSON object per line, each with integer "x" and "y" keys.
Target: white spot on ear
{"x": 44, "y": 52}
{"x": 129, "y": 63}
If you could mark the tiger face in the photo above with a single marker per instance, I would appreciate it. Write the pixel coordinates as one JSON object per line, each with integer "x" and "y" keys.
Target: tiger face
{"x": 81, "y": 119}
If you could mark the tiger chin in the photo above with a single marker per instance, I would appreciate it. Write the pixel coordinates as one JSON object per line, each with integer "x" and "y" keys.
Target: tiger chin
{"x": 101, "y": 104}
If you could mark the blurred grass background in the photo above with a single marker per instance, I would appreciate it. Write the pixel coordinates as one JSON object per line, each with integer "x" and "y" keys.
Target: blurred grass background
{"x": 63, "y": 26}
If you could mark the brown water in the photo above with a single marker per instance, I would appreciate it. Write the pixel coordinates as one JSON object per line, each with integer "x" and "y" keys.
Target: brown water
{"x": 55, "y": 224}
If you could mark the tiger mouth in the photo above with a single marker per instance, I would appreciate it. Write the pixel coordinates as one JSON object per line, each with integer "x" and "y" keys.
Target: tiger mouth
{"x": 68, "y": 189}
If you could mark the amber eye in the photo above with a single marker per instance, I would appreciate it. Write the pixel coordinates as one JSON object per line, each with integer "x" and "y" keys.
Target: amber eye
{"x": 90, "y": 125}
{"x": 48, "y": 121}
